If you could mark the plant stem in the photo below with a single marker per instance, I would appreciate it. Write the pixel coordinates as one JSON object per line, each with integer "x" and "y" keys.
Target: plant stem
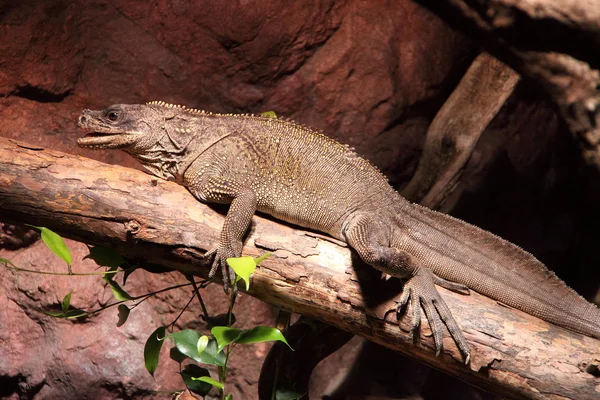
{"x": 172, "y": 324}
{"x": 142, "y": 297}
{"x": 204, "y": 310}
{"x": 9, "y": 265}
{"x": 231, "y": 303}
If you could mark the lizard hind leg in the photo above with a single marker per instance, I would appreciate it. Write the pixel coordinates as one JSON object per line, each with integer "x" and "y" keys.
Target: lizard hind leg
{"x": 371, "y": 240}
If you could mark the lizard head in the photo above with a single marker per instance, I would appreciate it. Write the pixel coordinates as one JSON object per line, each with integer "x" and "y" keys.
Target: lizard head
{"x": 158, "y": 134}
{"x": 120, "y": 126}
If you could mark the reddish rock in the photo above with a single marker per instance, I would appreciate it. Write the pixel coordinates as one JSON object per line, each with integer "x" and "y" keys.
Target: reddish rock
{"x": 50, "y": 358}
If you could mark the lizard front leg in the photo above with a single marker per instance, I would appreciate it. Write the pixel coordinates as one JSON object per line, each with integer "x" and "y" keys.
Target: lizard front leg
{"x": 237, "y": 221}
{"x": 370, "y": 238}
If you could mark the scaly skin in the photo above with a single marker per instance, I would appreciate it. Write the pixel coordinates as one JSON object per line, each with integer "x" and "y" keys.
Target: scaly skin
{"x": 300, "y": 176}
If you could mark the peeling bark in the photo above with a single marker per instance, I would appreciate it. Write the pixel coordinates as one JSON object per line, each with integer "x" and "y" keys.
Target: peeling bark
{"x": 158, "y": 222}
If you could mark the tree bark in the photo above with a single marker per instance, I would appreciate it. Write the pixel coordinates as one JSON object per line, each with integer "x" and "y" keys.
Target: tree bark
{"x": 556, "y": 43}
{"x": 158, "y": 222}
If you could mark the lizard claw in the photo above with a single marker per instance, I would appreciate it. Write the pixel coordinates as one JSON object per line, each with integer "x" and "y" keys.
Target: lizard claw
{"x": 420, "y": 291}
{"x": 221, "y": 254}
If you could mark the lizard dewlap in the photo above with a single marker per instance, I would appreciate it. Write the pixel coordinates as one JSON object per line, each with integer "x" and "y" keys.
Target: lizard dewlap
{"x": 300, "y": 176}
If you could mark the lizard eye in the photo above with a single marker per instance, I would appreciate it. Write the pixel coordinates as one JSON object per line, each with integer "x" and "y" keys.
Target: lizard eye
{"x": 113, "y": 115}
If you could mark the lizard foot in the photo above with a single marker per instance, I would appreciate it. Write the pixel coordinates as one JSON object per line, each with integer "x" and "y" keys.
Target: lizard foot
{"x": 221, "y": 254}
{"x": 421, "y": 292}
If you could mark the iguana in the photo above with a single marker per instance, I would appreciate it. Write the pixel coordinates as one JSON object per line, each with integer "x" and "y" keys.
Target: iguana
{"x": 298, "y": 175}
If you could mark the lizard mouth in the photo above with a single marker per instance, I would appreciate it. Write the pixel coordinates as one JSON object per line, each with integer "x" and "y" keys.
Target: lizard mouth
{"x": 101, "y": 140}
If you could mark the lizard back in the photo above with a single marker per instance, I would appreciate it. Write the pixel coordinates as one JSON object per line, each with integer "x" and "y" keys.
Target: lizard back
{"x": 299, "y": 175}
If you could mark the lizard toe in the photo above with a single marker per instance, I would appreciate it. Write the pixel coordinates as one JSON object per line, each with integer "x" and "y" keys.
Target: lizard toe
{"x": 228, "y": 275}
{"x": 402, "y": 308}
{"x": 452, "y": 286}
{"x": 422, "y": 293}
{"x": 213, "y": 268}
{"x": 455, "y": 331}
{"x": 212, "y": 253}
{"x": 435, "y": 323}
{"x": 403, "y": 301}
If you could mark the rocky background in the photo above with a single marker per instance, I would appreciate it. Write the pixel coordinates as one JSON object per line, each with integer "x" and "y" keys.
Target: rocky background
{"x": 369, "y": 73}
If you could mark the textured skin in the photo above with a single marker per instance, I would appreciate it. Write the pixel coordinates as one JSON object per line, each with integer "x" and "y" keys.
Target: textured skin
{"x": 300, "y": 176}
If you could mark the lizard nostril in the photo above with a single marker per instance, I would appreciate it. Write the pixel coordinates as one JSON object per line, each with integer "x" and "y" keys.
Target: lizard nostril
{"x": 82, "y": 119}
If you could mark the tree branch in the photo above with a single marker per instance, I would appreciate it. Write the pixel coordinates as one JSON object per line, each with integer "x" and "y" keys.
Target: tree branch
{"x": 556, "y": 43}
{"x": 159, "y": 222}
{"x": 456, "y": 128}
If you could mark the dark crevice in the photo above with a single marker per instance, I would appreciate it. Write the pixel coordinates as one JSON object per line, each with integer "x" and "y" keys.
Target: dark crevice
{"x": 9, "y": 385}
{"x": 40, "y": 95}
{"x": 593, "y": 370}
{"x": 18, "y": 384}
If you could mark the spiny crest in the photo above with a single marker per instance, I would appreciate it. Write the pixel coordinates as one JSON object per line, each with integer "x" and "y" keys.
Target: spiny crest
{"x": 245, "y": 115}
{"x": 164, "y": 104}
{"x": 178, "y": 106}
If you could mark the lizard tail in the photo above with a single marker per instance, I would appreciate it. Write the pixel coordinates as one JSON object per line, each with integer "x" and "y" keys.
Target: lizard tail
{"x": 501, "y": 270}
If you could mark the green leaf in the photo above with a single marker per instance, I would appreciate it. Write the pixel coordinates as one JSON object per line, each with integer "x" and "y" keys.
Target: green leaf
{"x": 202, "y": 343}
{"x": 75, "y": 313}
{"x": 261, "y": 334}
{"x": 210, "y": 381}
{"x": 123, "y": 314}
{"x": 225, "y": 335}
{"x": 118, "y": 292}
{"x": 211, "y": 355}
{"x": 262, "y": 258}
{"x": 69, "y": 314}
{"x": 152, "y": 349}
{"x": 243, "y": 267}
{"x": 105, "y": 256}
{"x": 229, "y": 397}
{"x": 269, "y": 114}
{"x": 55, "y": 243}
{"x": 55, "y": 314}
{"x": 191, "y": 375}
{"x": 66, "y": 303}
{"x": 186, "y": 342}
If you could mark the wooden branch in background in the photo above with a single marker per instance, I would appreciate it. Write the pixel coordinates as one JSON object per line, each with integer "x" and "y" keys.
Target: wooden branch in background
{"x": 556, "y": 43}
{"x": 158, "y": 222}
{"x": 456, "y": 128}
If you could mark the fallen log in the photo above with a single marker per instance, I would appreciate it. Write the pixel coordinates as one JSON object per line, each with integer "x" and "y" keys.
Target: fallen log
{"x": 158, "y": 222}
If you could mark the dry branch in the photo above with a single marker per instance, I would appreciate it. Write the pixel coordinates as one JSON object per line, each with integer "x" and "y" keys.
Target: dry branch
{"x": 456, "y": 128}
{"x": 556, "y": 43}
{"x": 513, "y": 354}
